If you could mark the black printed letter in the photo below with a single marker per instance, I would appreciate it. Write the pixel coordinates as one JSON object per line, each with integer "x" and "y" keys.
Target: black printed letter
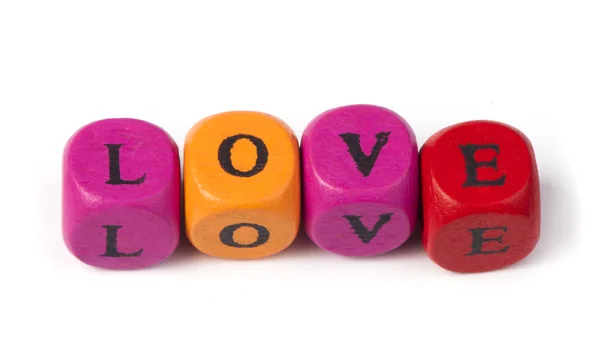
{"x": 226, "y": 235}
{"x": 115, "y": 169}
{"x": 364, "y": 234}
{"x": 478, "y": 241}
{"x": 363, "y": 162}
{"x": 111, "y": 243}
{"x": 262, "y": 155}
{"x": 468, "y": 152}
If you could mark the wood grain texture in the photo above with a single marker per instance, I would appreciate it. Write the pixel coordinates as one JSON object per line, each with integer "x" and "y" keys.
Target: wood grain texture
{"x": 241, "y": 185}
{"x": 360, "y": 180}
{"x": 121, "y": 194}
{"x": 481, "y": 197}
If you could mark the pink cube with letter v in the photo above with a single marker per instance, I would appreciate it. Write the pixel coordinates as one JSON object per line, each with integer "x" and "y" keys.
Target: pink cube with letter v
{"x": 360, "y": 180}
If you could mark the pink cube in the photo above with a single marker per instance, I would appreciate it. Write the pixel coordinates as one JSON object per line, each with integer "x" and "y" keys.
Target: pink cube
{"x": 360, "y": 180}
{"x": 121, "y": 194}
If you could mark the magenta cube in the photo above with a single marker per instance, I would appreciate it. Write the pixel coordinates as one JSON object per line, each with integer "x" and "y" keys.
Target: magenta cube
{"x": 121, "y": 194}
{"x": 360, "y": 180}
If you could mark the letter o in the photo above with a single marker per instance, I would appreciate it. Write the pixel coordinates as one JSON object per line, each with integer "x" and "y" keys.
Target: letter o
{"x": 224, "y": 155}
{"x": 226, "y": 235}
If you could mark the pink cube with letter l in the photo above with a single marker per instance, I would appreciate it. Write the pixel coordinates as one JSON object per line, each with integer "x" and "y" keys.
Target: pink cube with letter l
{"x": 121, "y": 194}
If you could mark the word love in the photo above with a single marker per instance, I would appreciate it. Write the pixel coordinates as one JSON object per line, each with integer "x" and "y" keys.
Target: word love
{"x": 359, "y": 182}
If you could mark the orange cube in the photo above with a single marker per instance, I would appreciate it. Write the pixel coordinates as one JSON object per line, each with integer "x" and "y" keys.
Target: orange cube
{"x": 241, "y": 174}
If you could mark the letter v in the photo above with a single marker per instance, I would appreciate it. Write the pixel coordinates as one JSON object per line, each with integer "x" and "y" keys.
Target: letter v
{"x": 364, "y": 234}
{"x": 363, "y": 162}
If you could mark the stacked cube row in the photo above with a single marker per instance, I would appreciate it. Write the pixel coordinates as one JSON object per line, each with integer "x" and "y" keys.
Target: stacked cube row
{"x": 357, "y": 180}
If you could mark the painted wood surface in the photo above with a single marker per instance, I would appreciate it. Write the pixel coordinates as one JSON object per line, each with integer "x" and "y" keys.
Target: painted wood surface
{"x": 121, "y": 194}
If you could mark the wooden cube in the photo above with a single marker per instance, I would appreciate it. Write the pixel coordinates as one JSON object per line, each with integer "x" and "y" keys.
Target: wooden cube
{"x": 121, "y": 194}
{"x": 481, "y": 196}
{"x": 360, "y": 180}
{"x": 241, "y": 185}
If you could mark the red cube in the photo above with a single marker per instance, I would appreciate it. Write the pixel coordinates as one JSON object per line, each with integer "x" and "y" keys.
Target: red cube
{"x": 481, "y": 196}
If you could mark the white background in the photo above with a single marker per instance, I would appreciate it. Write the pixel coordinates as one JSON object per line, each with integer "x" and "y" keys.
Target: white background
{"x": 531, "y": 64}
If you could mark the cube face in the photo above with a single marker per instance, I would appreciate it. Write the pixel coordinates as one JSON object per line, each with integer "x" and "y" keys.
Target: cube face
{"x": 241, "y": 185}
{"x": 121, "y": 194}
{"x": 361, "y": 229}
{"x": 481, "y": 199}
{"x": 360, "y": 180}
